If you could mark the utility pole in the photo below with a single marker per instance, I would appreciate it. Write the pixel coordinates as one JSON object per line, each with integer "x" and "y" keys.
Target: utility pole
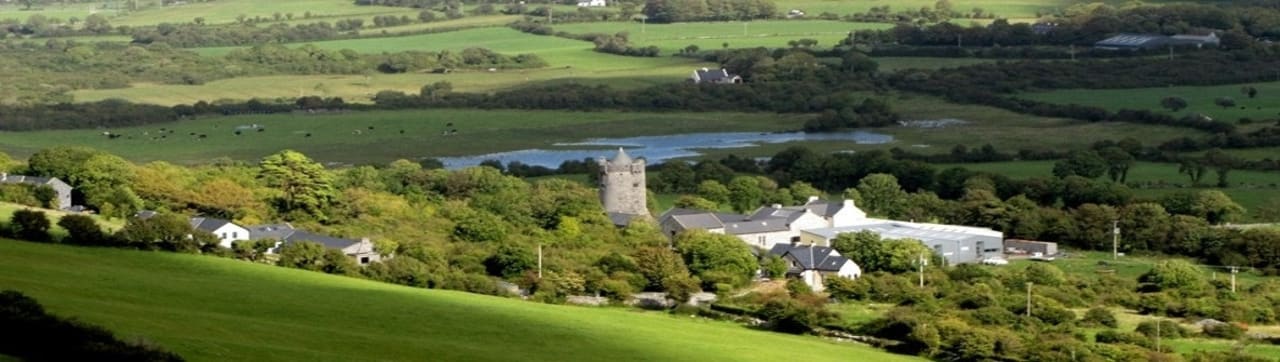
{"x": 744, "y": 28}
{"x": 1158, "y": 334}
{"x": 1028, "y": 299}
{"x": 1115, "y": 239}
{"x": 922, "y": 261}
{"x": 539, "y": 261}
{"x": 1234, "y": 270}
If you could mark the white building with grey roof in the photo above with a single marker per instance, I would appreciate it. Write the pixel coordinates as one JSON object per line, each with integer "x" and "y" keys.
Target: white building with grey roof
{"x": 815, "y": 264}
{"x": 767, "y": 226}
{"x": 362, "y": 249}
{"x": 957, "y": 244}
{"x": 226, "y": 231}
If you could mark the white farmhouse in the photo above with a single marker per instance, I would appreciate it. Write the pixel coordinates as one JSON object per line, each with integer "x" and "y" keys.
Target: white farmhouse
{"x": 815, "y": 264}
{"x": 227, "y": 232}
{"x": 592, "y": 4}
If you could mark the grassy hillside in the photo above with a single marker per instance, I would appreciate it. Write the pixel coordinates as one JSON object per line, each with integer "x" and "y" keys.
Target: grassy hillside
{"x": 217, "y": 309}
{"x": 333, "y": 137}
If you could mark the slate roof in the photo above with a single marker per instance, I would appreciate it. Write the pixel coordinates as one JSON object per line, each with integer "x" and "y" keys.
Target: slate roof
{"x": 270, "y": 231}
{"x": 207, "y": 223}
{"x": 327, "y": 241}
{"x": 823, "y": 258}
{"x": 756, "y": 226}
{"x": 711, "y": 75}
{"x": 22, "y": 179}
{"x": 1132, "y": 41}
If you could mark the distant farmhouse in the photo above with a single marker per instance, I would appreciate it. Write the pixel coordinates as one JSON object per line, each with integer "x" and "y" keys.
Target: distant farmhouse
{"x": 716, "y": 76}
{"x": 591, "y": 4}
{"x": 813, "y": 264}
{"x": 1156, "y": 41}
{"x": 226, "y": 231}
{"x": 362, "y": 250}
{"x": 62, "y": 190}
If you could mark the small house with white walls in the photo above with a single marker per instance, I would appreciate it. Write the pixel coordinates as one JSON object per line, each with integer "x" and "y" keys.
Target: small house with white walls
{"x": 592, "y": 4}
{"x": 714, "y": 76}
{"x": 227, "y": 232}
{"x": 362, "y": 250}
{"x": 767, "y": 226}
{"x": 815, "y": 264}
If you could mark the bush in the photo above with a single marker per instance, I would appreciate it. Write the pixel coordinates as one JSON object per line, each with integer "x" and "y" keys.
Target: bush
{"x": 1168, "y": 329}
{"x": 1099, "y": 316}
{"x": 1117, "y": 337}
{"x": 1224, "y": 331}
{"x": 83, "y": 230}
{"x": 29, "y": 225}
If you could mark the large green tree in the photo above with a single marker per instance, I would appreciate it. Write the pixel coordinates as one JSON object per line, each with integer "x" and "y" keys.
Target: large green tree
{"x": 304, "y": 184}
{"x": 881, "y": 195}
{"x": 716, "y": 256}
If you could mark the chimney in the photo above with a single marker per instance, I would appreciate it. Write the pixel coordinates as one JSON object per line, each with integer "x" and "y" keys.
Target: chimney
{"x": 704, "y": 69}
{"x": 4, "y": 176}
{"x": 777, "y": 206}
{"x": 812, "y": 199}
{"x": 848, "y": 203}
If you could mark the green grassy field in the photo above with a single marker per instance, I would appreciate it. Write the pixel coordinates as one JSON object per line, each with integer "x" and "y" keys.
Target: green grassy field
{"x": 333, "y": 138}
{"x": 206, "y": 308}
{"x": 671, "y": 38}
{"x": 1199, "y": 99}
{"x": 1007, "y": 131}
{"x": 569, "y": 60}
{"x": 1249, "y": 188}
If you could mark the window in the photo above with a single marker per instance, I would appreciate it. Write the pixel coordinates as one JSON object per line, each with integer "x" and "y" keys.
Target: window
{"x": 761, "y": 239}
{"x": 224, "y": 235}
{"x": 235, "y": 234}
{"x": 364, "y": 260}
{"x": 795, "y": 239}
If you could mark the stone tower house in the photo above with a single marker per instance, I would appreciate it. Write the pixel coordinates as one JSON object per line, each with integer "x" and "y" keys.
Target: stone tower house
{"x": 622, "y": 186}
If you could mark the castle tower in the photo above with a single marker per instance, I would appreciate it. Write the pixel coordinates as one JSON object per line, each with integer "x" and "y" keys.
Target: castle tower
{"x": 622, "y": 185}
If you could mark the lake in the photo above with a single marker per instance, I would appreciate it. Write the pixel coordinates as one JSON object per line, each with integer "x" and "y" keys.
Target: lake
{"x": 656, "y": 149}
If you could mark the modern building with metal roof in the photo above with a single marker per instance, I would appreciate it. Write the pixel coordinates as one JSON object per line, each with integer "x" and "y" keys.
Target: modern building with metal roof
{"x": 957, "y": 244}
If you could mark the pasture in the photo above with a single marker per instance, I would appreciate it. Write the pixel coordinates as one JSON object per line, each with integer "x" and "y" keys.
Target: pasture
{"x": 1200, "y": 99}
{"x": 672, "y": 38}
{"x": 207, "y": 308}
{"x": 7, "y": 210}
{"x": 1007, "y": 131}
{"x": 1248, "y": 188}
{"x": 347, "y": 137}
{"x": 569, "y": 60}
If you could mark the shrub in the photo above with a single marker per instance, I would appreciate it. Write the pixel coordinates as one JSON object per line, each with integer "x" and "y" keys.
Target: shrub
{"x": 1168, "y": 329}
{"x": 1099, "y": 316}
{"x": 1224, "y": 331}
{"x": 83, "y": 230}
{"x": 30, "y": 225}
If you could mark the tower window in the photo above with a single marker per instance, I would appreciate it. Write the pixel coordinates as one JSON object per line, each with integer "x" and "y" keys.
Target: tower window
{"x": 635, "y": 184}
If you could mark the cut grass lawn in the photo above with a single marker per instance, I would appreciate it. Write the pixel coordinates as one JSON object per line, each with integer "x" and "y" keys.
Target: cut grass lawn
{"x": 333, "y": 137}
{"x": 1249, "y": 188}
{"x": 206, "y": 308}
{"x": 1199, "y": 100}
